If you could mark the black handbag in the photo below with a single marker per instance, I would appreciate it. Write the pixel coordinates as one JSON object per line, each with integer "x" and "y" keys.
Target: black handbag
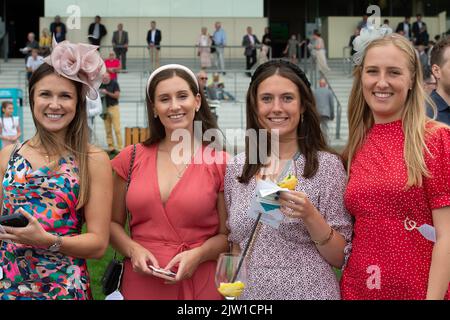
{"x": 112, "y": 277}
{"x": 213, "y": 46}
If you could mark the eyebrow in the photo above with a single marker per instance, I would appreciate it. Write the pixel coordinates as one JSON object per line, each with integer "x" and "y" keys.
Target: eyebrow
{"x": 389, "y": 68}
{"x": 271, "y": 94}
{"x": 62, "y": 92}
{"x": 178, "y": 92}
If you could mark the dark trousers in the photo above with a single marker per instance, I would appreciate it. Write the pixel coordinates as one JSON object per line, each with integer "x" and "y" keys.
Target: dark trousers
{"x": 94, "y": 42}
{"x": 251, "y": 60}
{"x": 121, "y": 53}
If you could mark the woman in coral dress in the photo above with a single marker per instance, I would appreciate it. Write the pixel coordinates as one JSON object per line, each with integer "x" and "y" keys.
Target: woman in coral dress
{"x": 177, "y": 210}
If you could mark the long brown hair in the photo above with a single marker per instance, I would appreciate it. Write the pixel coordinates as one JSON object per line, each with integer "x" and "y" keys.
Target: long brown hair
{"x": 77, "y": 135}
{"x": 414, "y": 119}
{"x": 310, "y": 138}
{"x": 157, "y": 131}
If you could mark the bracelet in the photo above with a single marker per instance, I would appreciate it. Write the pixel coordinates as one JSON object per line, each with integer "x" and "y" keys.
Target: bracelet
{"x": 328, "y": 239}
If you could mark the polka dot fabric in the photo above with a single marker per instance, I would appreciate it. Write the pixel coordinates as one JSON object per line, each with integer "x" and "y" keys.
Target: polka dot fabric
{"x": 387, "y": 261}
{"x": 285, "y": 264}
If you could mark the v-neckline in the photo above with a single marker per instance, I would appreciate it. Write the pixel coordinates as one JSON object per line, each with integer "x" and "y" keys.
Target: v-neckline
{"x": 176, "y": 186}
{"x": 44, "y": 168}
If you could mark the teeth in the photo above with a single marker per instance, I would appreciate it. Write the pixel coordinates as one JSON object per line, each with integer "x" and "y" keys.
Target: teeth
{"x": 54, "y": 116}
{"x": 382, "y": 95}
{"x": 278, "y": 119}
{"x": 178, "y": 116}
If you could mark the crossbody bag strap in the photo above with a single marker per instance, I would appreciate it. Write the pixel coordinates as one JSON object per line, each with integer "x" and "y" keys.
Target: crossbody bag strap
{"x": 130, "y": 170}
{"x": 133, "y": 157}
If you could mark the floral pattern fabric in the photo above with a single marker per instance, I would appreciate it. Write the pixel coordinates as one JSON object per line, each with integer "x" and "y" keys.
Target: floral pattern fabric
{"x": 51, "y": 196}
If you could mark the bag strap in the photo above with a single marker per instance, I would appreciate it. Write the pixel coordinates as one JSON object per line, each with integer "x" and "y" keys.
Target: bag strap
{"x": 130, "y": 170}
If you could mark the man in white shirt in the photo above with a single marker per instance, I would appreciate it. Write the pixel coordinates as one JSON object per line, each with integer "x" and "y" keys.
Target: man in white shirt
{"x": 154, "y": 38}
{"x": 33, "y": 62}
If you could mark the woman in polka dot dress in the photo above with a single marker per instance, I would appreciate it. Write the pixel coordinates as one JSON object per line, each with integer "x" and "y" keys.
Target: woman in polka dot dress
{"x": 296, "y": 260}
{"x": 399, "y": 177}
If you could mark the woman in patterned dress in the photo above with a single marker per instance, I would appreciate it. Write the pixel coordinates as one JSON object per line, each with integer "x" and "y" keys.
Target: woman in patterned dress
{"x": 296, "y": 260}
{"x": 399, "y": 177}
{"x": 58, "y": 182}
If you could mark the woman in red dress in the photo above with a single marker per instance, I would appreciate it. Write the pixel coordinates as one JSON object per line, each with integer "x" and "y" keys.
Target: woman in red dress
{"x": 177, "y": 209}
{"x": 399, "y": 180}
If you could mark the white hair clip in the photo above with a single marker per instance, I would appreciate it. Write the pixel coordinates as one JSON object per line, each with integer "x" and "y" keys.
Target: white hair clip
{"x": 366, "y": 36}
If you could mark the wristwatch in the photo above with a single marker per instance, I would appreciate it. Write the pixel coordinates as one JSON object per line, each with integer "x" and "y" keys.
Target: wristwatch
{"x": 57, "y": 245}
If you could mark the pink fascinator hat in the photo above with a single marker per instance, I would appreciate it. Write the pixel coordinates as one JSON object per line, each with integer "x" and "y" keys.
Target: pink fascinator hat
{"x": 78, "y": 62}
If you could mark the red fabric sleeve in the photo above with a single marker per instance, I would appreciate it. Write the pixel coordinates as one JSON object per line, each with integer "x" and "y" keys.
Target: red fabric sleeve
{"x": 121, "y": 163}
{"x": 437, "y": 186}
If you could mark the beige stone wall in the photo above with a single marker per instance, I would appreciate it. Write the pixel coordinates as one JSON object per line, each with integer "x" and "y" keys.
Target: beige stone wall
{"x": 175, "y": 32}
{"x": 337, "y": 30}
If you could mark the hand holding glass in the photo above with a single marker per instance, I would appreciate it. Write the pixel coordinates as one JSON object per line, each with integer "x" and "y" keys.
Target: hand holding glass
{"x": 229, "y": 284}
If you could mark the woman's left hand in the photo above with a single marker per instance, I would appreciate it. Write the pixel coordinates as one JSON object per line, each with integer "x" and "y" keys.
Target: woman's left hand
{"x": 296, "y": 205}
{"x": 187, "y": 262}
{"x": 33, "y": 234}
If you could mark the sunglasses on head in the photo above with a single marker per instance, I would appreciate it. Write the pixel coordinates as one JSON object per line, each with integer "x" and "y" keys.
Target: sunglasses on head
{"x": 281, "y": 62}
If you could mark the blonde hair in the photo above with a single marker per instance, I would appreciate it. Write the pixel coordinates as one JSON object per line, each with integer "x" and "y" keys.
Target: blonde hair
{"x": 414, "y": 119}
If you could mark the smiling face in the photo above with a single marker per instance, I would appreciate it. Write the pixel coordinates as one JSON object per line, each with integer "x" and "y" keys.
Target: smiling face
{"x": 279, "y": 106}
{"x": 175, "y": 104}
{"x": 55, "y": 102}
{"x": 8, "y": 110}
{"x": 386, "y": 80}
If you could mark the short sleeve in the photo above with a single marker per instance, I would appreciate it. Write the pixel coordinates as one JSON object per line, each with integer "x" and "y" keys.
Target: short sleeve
{"x": 437, "y": 185}
{"x": 121, "y": 163}
{"x": 220, "y": 166}
{"x": 332, "y": 199}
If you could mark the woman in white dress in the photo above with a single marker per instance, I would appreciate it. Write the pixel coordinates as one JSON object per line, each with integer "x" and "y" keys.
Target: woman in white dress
{"x": 204, "y": 48}
{"x": 9, "y": 125}
{"x": 319, "y": 53}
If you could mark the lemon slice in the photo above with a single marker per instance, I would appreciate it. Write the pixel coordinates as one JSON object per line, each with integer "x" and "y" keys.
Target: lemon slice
{"x": 290, "y": 182}
{"x": 231, "y": 289}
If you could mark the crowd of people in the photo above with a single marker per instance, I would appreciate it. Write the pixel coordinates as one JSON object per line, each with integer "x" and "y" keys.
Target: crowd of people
{"x": 364, "y": 211}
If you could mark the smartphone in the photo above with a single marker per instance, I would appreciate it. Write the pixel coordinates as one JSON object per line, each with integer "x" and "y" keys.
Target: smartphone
{"x": 16, "y": 220}
{"x": 162, "y": 272}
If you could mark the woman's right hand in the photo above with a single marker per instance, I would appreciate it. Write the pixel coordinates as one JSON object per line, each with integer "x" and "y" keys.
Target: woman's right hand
{"x": 141, "y": 259}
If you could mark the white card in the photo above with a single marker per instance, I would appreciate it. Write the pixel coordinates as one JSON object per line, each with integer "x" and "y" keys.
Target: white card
{"x": 429, "y": 232}
{"x": 1, "y": 273}
{"x": 116, "y": 295}
{"x": 266, "y": 188}
{"x": 271, "y": 218}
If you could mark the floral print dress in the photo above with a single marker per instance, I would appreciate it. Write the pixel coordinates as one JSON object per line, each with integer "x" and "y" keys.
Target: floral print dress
{"x": 51, "y": 196}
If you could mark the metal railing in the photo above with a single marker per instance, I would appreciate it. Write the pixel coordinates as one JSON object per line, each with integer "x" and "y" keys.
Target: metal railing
{"x": 185, "y": 54}
{"x": 310, "y": 65}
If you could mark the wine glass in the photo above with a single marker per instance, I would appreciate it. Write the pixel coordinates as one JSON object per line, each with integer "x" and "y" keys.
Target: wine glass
{"x": 231, "y": 275}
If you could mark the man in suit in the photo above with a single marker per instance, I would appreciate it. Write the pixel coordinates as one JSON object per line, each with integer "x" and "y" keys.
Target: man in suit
{"x": 405, "y": 27}
{"x": 325, "y": 106}
{"x": 60, "y": 34}
{"x": 419, "y": 31}
{"x": 154, "y": 37}
{"x": 120, "y": 45}
{"x": 250, "y": 41}
{"x": 97, "y": 31}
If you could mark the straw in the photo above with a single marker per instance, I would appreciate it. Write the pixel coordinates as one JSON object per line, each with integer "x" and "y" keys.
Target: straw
{"x": 247, "y": 247}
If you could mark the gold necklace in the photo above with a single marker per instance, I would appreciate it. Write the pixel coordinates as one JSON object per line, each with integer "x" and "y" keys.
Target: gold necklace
{"x": 179, "y": 172}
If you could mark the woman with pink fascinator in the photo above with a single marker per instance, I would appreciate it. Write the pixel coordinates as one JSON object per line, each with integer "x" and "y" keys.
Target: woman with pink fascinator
{"x": 49, "y": 186}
